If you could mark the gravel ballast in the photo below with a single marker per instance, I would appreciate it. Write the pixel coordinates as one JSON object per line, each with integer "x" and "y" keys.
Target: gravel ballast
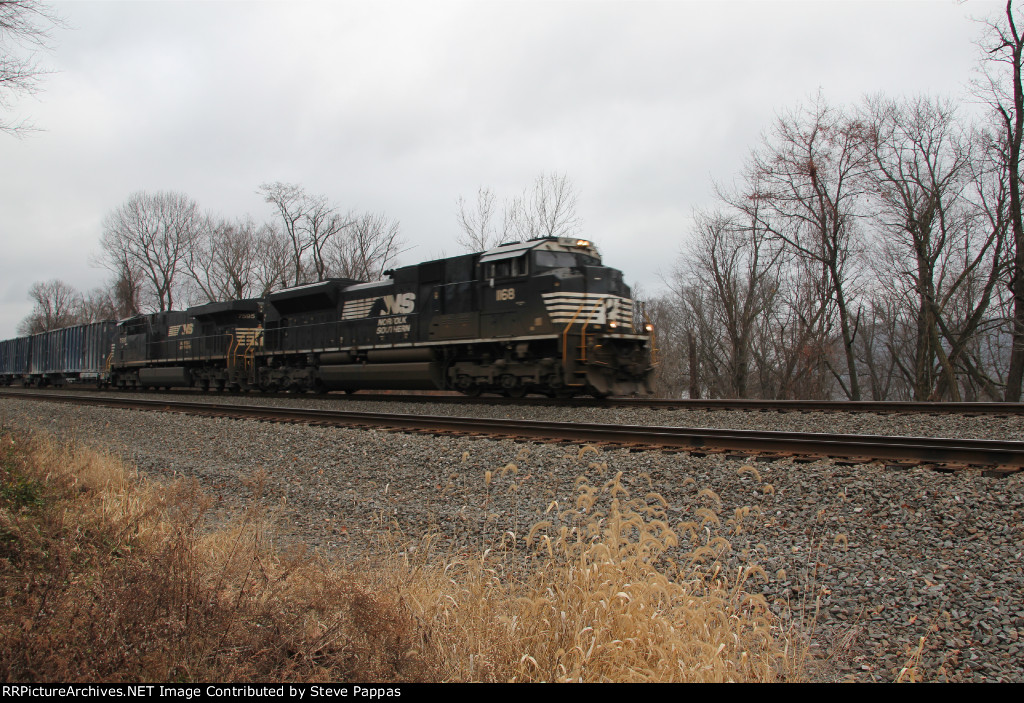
{"x": 870, "y": 559}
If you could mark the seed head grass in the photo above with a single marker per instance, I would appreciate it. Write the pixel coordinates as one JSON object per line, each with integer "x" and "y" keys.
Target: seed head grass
{"x": 109, "y": 577}
{"x": 603, "y": 591}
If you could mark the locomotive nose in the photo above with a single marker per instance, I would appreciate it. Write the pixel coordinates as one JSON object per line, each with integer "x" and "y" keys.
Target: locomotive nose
{"x": 603, "y": 279}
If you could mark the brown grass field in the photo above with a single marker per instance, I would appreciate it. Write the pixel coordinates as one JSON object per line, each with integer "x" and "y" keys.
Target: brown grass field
{"x": 106, "y": 576}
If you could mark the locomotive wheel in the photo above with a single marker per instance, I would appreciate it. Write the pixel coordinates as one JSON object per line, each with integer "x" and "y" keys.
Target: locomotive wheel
{"x": 517, "y": 392}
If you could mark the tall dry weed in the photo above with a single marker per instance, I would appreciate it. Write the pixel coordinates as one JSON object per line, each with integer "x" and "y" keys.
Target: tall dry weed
{"x": 602, "y": 591}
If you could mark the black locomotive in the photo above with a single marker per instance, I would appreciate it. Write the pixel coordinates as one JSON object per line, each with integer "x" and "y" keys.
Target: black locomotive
{"x": 543, "y": 316}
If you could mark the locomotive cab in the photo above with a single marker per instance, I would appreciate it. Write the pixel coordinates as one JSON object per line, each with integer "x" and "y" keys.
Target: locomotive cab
{"x": 557, "y": 321}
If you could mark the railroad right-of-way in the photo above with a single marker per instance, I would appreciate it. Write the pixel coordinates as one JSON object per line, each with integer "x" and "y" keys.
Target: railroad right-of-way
{"x": 1003, "y": 454}
{"x": 864, "y": 558}
{"x": 995, "y": 455}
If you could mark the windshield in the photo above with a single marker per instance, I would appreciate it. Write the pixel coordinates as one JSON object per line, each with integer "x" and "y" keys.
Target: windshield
{"x": 562, "y": 259}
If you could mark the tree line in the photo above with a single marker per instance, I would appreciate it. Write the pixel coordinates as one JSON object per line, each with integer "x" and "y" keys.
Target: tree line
{"x": 162, "y": 251}
{"x": 865, "y": 251}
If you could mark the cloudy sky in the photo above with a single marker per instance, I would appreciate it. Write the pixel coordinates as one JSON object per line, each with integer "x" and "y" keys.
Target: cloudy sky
{"x": 401, "y": 107}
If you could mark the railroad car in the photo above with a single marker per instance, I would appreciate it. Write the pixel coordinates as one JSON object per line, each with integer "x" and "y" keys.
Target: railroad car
{"x": 71, "y": 355}
{"x": 543, "y": 316}
{"x": 206, "y": 346}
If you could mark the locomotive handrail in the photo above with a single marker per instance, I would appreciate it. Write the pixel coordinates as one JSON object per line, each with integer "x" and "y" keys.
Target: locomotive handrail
{"x": 249, "y": 359}
{"x": 231, "y": 348}
{"x": 565, "y": 339}
{"x": 654, "y": 338}
{"x": 583, "y": 332}
{"x": 198, "y": 347}
{"x": 302, "y": 337}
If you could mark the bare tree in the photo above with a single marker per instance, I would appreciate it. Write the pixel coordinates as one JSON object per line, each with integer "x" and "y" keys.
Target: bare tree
{"x": 934, "y": 245}
{"x": 24, "y": 30}
{"x": 548, "y": 209}
{"x": 270, "y": 270}
{"x": 57, "y": 305}
{"x": 290, "y": 202}
{"x": 802, "y": 336}
{"x": 479, "y": 232}
{"x": 1001, "y": 86}
{"x": 220, "y": 263}
{"x": 323, "y": 224}
{"x": 153, "y": 234}
{"x": 804, "y": 184}
{"x": 127, "y": 287}
{"x": 371, "y": 245}
{"x": 96, "y": 305}
{"x": 886, "y": 335}
{"x": 310, "y": 223}
{"x": 727, "y": 280}
{"x": 671, "y": 374}
{"x": 125, "y": 284}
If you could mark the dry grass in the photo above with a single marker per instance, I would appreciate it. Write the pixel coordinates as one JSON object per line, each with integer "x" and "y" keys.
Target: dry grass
{"x": 595, "y": 596}
{"x": 107, "y": 577}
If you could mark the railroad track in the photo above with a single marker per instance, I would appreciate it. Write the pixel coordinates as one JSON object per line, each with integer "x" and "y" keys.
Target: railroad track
{"x": 749, "y": 405}
{"x": 996, "y": 457}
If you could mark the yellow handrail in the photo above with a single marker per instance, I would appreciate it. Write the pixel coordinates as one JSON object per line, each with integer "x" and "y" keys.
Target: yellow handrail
{"x": 654, "y": 338}
{"x": 565, "y": 336}
{"x": 583, "y": 332}
{"x": 583, "y": 339}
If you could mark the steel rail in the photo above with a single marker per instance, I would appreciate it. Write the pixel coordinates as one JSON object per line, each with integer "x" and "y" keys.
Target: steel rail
{"x": 866, "y": 406}
{"x": 760, "y": 405}
{"x": 974, "y": 452}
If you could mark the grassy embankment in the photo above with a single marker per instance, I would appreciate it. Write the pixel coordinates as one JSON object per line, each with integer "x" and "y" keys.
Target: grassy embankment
{"x": 105, "y": 576}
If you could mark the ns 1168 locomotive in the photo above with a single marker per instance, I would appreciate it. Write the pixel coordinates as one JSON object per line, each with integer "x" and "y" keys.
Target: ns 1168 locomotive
{"x": 542, "y": 316}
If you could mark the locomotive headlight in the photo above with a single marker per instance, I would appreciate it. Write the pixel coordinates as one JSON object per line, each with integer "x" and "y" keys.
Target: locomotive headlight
{"x": 613, "y": 324}
{"x": 649, "y": 327}
{"x": 582, "y": 243}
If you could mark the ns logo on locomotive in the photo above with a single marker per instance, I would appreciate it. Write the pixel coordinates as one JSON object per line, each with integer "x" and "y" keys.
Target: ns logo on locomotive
{"x": 542, "y": 316}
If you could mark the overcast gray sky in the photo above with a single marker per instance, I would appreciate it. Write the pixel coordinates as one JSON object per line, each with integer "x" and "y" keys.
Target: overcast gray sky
{"x": 401, "y": 107}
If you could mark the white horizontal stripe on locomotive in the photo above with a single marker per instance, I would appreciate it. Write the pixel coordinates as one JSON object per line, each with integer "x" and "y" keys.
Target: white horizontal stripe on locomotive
{"x": 593, "y": 308}
{"x": 355, "y": 309}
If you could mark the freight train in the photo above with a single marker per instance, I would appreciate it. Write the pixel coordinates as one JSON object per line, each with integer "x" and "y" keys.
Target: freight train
{"x": 542, "y": 316}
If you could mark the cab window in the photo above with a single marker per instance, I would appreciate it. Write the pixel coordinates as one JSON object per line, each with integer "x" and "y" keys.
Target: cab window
{"x": 563, "y": 259}
{"x": 554, "y": 259}
{"x": 508, "y": 268}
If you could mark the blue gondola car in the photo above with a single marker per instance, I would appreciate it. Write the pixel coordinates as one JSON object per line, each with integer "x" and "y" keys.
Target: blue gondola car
{"x": 78, "y": 354}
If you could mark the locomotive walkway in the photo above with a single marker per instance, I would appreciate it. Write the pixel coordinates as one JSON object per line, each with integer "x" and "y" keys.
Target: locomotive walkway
{"x": 995, "y": 456}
